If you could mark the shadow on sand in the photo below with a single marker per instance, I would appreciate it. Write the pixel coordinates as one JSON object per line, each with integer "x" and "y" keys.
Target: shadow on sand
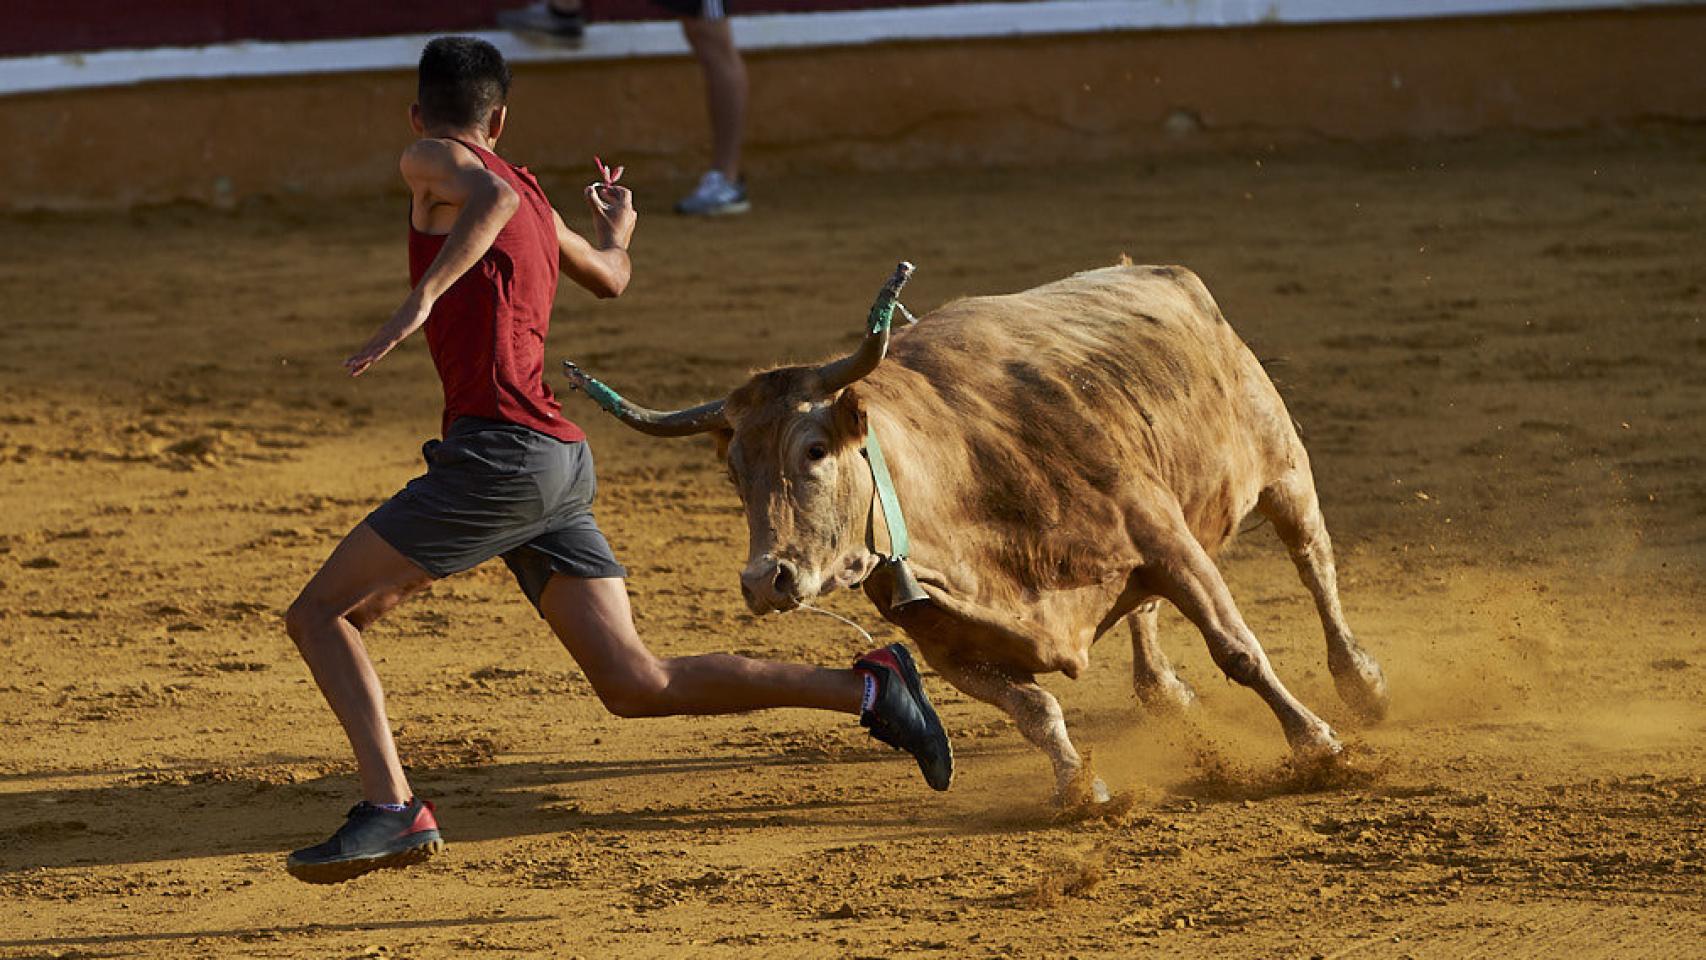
{"x": 129, "y": 942}
{"x": 182, "y": 814}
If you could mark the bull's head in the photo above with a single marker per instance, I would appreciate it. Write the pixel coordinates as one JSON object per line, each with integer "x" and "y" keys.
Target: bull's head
{"x": 791, "y": 439}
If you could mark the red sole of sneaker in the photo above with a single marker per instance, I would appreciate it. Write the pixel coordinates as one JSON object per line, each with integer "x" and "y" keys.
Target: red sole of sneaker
{"x": 350, "y": 869}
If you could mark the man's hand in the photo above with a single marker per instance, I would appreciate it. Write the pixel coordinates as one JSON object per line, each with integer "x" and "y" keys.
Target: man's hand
{"x": 406, "y": 320}
{"x": 601, "y": 266}
{"x": 613, "y": 214}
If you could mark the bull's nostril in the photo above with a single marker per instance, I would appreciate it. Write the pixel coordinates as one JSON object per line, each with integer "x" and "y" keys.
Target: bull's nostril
{"x": 787, "y": 578}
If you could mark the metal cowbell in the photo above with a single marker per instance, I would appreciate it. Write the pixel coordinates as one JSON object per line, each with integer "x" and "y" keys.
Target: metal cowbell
{"x": 905, "y": 589}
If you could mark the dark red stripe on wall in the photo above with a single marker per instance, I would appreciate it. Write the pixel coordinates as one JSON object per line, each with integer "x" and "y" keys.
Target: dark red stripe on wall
{"x": 63, "y": 26}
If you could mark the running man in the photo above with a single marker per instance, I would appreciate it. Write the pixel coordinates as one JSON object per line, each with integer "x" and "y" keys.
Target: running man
{"x": 512, "y": 478}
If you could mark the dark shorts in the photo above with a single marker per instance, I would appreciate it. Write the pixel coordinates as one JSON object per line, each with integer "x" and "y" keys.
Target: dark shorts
{"x": 709, "y": 9}
{"x": 496, "y": 489}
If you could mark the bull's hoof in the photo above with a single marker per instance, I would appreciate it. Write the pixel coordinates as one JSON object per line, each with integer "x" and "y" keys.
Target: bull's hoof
{"x": 1087, "y": 797}
{"x": 1083, "y": 787}
{"x": 1315, "y": 745}
{"x": 1353, "y": 767}
{"x": 1168, "y": 696}
{"x": 1362, "y": 686}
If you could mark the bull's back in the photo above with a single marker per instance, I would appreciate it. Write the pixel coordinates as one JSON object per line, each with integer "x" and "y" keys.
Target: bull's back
{"x": 1105, "y": 378}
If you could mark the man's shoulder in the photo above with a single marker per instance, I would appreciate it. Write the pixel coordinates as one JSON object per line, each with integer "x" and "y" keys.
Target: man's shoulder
{"x": 432, "y": 157}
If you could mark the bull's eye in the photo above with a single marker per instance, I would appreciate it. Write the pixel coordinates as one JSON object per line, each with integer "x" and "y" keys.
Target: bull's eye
{"x": 816, "y": 452}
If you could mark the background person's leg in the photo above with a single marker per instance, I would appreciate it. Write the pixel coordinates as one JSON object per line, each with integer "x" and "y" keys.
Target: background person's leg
{"x": 725, "y": 88}
{"x": 720, "y": 192}
{"x": 593, "y": 620}
{"x": 362, "y": 579}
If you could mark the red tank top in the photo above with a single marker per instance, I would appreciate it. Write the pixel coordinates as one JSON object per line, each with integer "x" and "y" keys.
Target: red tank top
{"x": 487, "y": 333}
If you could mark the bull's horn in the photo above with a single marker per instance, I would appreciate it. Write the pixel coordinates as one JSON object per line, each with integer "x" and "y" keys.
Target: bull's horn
{"x": 840, "y": 373}
{"x": 675, "y": 423}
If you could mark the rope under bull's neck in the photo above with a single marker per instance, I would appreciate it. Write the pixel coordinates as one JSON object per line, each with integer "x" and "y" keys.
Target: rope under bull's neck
{"x": 831, "y": 613}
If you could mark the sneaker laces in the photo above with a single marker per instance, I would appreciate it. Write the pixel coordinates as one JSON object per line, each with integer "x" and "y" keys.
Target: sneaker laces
{"x": 871, "y": 720}
{"x": 367, "y": 808}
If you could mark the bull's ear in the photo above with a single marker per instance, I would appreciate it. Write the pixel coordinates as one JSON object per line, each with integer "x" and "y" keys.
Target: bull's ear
{"x": 722, "y": 437}
{"x": 847, "y": 417}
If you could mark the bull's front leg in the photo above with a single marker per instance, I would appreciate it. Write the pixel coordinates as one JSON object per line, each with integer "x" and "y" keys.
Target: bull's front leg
{"x": 1180, "y": 570}
{"x": 1034, "y": 711}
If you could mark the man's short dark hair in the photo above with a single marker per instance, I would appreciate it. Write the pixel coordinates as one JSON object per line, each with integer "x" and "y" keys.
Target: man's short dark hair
{"x": 462, "y": 80}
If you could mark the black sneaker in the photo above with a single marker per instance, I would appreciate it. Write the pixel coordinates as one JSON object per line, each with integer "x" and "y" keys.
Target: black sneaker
{"x": 902, "y": 716}
{"x": 545, "y": 19}
{"x": 373, "y": 838}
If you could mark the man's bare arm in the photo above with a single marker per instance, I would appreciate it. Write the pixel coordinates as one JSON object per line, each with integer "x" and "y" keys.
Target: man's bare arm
{"x": 601, "y": 265}
{"x": 440, "y": 173}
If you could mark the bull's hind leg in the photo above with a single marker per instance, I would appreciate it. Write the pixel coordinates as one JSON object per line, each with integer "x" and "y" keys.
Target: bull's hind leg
{"x": 1158, "y": 687}
{"x": 1181, "y": 571}
{"x": 1034, "y": 710}
{"x": 1296, "y": 514}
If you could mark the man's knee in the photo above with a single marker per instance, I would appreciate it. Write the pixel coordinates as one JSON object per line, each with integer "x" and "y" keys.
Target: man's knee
{"x": 305, "y": 618}
{"x": 641, "y": 692}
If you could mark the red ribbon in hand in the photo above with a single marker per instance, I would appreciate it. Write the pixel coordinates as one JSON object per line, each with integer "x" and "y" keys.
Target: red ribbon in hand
{"x": 608, "y": 175}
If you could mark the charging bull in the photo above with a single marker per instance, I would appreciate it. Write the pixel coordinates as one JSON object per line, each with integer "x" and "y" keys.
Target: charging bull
{"x": 1023, "y": 472}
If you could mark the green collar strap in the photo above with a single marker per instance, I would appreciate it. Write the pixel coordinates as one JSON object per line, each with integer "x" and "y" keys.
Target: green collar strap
{"x": 900, "y": 545}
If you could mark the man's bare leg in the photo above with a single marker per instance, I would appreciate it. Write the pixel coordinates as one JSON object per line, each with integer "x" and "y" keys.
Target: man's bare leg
{"x": 363, "y": 579}
{"x": 593, "y": 620}
{"x": 725, "y": 88}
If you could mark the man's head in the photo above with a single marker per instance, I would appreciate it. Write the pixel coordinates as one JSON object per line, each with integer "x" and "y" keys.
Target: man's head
{"x": 464, "y": 85}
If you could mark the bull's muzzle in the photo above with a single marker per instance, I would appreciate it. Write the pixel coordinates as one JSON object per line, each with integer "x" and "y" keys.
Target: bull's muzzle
{"x": 771, "y": 584}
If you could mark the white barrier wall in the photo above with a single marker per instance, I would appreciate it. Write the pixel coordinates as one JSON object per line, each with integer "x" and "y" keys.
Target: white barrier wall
{"x": 49, "y": 72}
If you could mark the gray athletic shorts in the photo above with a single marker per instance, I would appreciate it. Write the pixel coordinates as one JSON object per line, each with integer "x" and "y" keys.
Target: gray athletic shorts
{"x": 497, "y": 489}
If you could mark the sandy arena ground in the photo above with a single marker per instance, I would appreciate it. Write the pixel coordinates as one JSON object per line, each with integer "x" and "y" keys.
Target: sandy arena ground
{"x": 1496, "y": 352}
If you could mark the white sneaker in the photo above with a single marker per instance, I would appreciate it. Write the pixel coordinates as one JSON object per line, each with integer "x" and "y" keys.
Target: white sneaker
{"x": 716, "y": 196}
